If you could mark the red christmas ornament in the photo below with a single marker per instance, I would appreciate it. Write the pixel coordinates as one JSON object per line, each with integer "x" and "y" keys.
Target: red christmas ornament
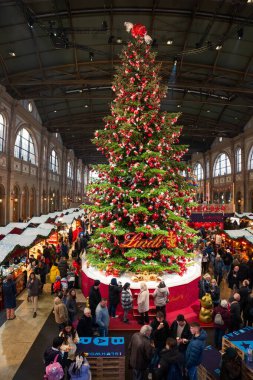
{"x": 155, "y": 216}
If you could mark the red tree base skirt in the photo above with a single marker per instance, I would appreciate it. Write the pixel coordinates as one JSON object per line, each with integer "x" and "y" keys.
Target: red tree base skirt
{"x": 183, "y": 289}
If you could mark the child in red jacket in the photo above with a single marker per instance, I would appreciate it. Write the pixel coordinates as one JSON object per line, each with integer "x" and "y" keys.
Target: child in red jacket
{"x": 57, "y": 284}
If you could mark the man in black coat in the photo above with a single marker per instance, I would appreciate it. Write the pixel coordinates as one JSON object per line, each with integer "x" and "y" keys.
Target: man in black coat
{"x": 94, "y": 299}
{"x": 84, "y": 327}
{"x": 233, "y": 278}
{"x": 169, "y": 357}
{"x": 63, "y": 267}
{"x": 180, "y": 330}
{"x": 235, "y": 313}
{"x": 243, "y": 271}
{"x": 141, "y": 351}
{"x": 160, "y": 331}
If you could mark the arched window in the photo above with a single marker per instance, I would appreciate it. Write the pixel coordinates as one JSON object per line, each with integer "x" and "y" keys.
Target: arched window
{"x": 222, "y": 165}
{"x": 198, "y": 171}
{"x": 238, "y": 160}
{"x": 207, "y": 169}
{"x": 69, "y": 170}
{"x": 53, "y": 162}
{"x": 2, "y": 132}
{"x": 78, "y": 175}
{"x": 24, "y": 146}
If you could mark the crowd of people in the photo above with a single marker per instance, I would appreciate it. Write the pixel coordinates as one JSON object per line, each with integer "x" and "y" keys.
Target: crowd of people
{"x": 162, "y": 350}
{"x": 222, "y": 268}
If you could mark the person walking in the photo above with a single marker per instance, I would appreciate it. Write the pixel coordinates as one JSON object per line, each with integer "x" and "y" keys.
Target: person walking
{"x": 60, "y": 312}
{"x": 141, "y": 350}
{"x": 218, "y": 267}
{"x": 53, "y": 273}
{"x": 55, "y": 351}
{"x": 215, "y": 292}
{"x": 126, "y": 301}
{"x": 194, "y": 352}
{"x": 160, "y": 296}
{"x": 114, "y": 297}
{"x": 234, "y": 279}
{"x": 9, "y": 294}
{"x": 143, "y": 303}
{"x": 94, "y": 299}
{"x": 63, "y": 267}
{"x": 221, "y": 319}
{"x": 33, "y": 285}
{"x": 72, "y": 305}
{"x": 42, "y": 271}
{"x": 102, "y": 317}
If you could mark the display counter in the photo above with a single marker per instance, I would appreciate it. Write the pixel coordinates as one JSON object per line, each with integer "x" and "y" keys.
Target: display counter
{"x": 106, "y": 356}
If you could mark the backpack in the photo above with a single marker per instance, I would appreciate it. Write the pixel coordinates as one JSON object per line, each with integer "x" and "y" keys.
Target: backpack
{"x": 54, "y": 370}
{"x": 174, "y": 373}
{"x": 218, "y": 319}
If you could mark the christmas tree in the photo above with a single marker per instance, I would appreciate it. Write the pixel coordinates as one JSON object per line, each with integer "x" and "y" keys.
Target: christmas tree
{"x": 141, "y": 200}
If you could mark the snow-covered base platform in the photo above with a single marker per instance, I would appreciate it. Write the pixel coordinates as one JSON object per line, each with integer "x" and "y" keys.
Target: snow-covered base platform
{"x": 183, "y": 289}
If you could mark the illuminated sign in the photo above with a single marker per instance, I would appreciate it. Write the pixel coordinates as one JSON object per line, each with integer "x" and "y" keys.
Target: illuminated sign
{"x": 140, "y": 240}
{"x": 102, "y": 346}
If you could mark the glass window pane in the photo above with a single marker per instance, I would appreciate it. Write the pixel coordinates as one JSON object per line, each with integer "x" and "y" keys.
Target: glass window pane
{"x": 24, "y": 146}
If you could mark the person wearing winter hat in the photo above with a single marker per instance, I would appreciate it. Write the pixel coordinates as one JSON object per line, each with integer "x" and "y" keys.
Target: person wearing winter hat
{"x": 94, "y": 299}
{"x": 114, "y": 297}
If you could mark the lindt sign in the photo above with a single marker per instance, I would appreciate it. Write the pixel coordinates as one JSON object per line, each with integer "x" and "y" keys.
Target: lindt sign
{"x": 141, "y": 240}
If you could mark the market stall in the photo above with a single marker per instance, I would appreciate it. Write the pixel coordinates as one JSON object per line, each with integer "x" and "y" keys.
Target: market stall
{"x": 239, "y": 241}
{"x": 71, "y": 220}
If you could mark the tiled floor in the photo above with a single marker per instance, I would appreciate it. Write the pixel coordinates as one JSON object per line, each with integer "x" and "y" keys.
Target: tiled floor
{"x": 18, "y": 335}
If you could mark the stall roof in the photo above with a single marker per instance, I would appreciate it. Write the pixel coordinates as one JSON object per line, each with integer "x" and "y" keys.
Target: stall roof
{"x": 7, "y": 229}
{"x": 247, "y": 215}
{"x": 68, "y": 219}
{"x": 42, "y": 230}
{"x": 51, "y": 215}
{"x": 236, "y": 234}
{"x": 10, "y": 242}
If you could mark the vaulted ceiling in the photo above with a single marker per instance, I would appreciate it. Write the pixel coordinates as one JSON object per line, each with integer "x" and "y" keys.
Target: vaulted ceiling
{"x": 62, "y": 54}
